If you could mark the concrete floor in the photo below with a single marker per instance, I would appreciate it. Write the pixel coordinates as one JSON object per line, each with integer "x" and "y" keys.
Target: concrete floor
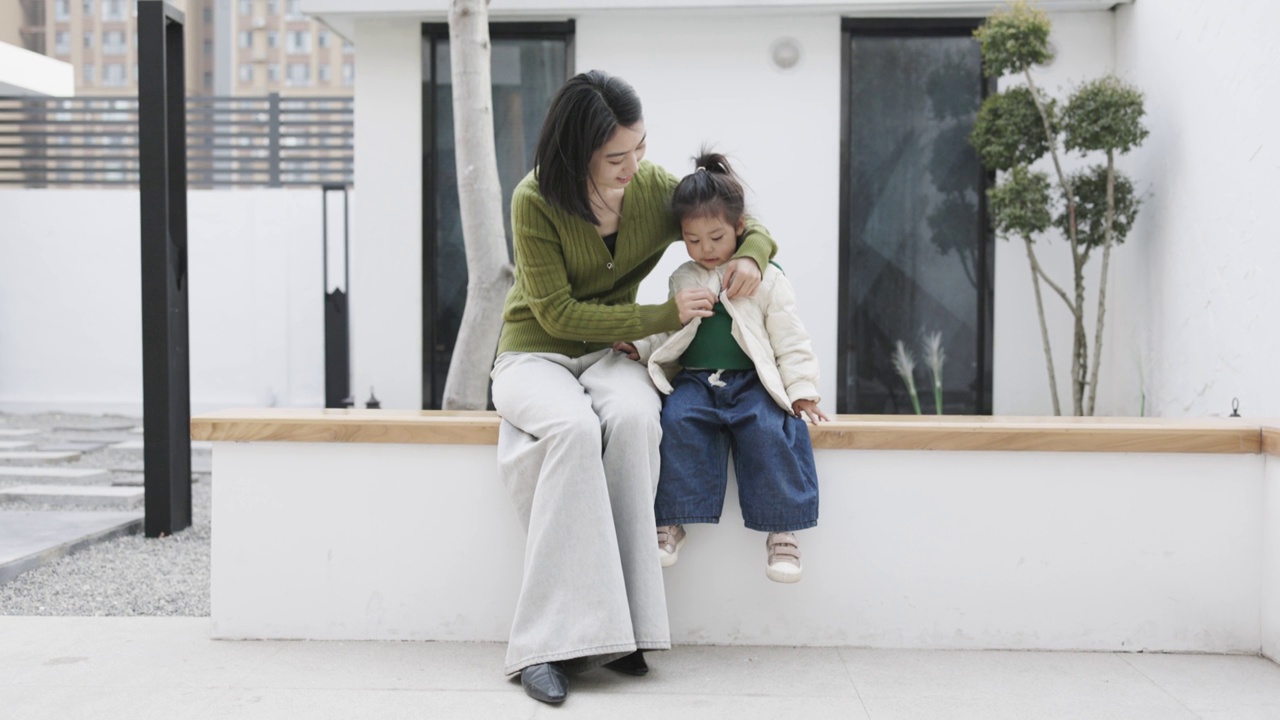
{"x": 139, "y": 668}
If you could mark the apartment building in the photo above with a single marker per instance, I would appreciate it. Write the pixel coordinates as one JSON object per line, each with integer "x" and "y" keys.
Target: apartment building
{"x": 233, "y": 47}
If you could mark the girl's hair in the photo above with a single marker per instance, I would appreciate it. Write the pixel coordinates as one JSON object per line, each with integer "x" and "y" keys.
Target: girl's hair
{"x": 584, "y": 114}
{"x": 711, "y": 190}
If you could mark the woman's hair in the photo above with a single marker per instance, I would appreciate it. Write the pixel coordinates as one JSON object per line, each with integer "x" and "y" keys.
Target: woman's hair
{"x": 584, "y": 114}
{"x": 712, "y": 190}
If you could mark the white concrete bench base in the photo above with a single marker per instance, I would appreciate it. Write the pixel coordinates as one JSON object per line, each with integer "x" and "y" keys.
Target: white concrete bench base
{"x": 915, "y": 549}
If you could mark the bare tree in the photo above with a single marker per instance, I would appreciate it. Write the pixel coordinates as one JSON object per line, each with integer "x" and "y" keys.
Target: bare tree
{"x": 489, "y": 273}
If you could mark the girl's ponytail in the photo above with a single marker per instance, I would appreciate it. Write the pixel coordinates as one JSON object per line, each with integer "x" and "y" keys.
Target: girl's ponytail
{"x": 712, "y": 189}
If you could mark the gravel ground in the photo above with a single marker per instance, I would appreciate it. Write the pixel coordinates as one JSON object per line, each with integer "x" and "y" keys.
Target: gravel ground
{"x": 131, "y": 575}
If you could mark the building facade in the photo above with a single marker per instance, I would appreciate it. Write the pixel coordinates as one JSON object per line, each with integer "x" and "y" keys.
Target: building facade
{"x": 233, "y": 47}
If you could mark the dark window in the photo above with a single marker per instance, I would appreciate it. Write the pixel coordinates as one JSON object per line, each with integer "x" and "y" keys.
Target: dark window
{"x": 530, "y": 62}
{"x": 915, "y": 244}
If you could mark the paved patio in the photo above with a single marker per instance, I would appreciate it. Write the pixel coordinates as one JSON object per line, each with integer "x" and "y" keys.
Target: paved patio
{"x": 139, "y": 668}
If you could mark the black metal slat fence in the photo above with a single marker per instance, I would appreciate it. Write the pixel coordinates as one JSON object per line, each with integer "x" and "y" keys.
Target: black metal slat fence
{"x": 266, "y": 141}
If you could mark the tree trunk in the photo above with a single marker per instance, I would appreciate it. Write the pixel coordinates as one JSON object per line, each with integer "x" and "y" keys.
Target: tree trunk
{"x": 1044, "y": 327}
{"x": 1102, "y": 283}
{"x": 1080, "y": 345}
{"x": 489, "y": 273}
{"x": 1080, "y": 348}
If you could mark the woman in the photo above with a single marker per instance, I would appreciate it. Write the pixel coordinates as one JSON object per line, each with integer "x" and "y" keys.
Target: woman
{"x": 578, "y": 444}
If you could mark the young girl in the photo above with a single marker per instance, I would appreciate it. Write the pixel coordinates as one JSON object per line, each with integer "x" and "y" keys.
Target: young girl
{"x": 743, "y": 379}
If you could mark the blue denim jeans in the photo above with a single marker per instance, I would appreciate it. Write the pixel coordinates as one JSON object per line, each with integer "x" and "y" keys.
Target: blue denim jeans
{"x": 701, "y": 423}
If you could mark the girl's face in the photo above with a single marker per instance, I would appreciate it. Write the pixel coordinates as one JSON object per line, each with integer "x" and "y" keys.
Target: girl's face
{"x": 613, "y": 164}
{"x": 710, "y": 239}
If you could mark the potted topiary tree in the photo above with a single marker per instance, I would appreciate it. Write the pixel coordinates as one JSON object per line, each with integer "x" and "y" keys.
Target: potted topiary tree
{"x": 1094, "y": 208}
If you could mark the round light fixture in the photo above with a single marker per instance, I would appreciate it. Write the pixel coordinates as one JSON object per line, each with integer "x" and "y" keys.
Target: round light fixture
{"x": 785, "y": 53}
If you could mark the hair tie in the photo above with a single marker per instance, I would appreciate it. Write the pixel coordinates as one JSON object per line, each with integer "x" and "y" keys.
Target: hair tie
{"x": 700, "y": 167}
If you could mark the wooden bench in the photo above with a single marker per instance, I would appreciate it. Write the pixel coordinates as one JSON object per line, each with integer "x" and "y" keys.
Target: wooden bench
{"x": 936, "y": 532}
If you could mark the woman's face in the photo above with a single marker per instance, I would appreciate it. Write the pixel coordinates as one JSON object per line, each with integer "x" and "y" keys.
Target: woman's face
{"x": 614, "y": 163}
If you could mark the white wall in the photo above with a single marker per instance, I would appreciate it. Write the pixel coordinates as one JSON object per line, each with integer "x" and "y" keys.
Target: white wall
{"x": 70, "y": 299}
{"x": 386, "y": 236}
{"x": 1271, "y": 560}
{"x": 708, "y": 78}
{"x": 1207, "y": 235}
{"x": 1063, "y": 551}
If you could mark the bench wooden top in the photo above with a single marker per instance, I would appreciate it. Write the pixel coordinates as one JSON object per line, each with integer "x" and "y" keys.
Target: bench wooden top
{"x": 855, "y": 432}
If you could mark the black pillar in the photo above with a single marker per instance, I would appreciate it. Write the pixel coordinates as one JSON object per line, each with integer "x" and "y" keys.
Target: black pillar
{"x": 162, "y": 163}
{"x": 337, "y": 318}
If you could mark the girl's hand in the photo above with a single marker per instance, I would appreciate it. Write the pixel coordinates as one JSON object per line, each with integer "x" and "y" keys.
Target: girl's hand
{"x": 627, "y": 349}
{"x": 695, "y": 302}
{"x": 741, "y": 278}
{"x": 809, "y": 410}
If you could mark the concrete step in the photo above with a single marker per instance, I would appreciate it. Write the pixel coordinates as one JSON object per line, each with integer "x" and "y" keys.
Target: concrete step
{"x": 15, "y": 444}
{"x": 37, "y": 456}
{"x": 61, "y": 473}
{"x": 29, "y": 539}
{"x": 101, "y": 426}
{"x": 81, "y": 446}
{"x": 18, "y": 432}
{"x": 100, "y": 495}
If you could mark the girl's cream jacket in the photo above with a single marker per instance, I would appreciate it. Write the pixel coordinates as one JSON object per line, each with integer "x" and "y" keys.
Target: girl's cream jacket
{"x": 766, "y": 326}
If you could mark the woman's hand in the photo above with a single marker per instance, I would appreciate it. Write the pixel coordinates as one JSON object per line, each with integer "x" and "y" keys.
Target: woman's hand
{"x": 695, "y": 302}
{"x": 741, "y": 278}
{"x": 627, "y": 349}
{"x": 808, "y": 410}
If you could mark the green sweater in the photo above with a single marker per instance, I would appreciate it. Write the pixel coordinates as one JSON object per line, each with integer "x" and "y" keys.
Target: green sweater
{"x": 571, "y": 296}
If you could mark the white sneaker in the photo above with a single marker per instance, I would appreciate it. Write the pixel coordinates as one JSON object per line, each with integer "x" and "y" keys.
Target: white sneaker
{"x": 784, "y": 558}
{"x": 670, "y": 540}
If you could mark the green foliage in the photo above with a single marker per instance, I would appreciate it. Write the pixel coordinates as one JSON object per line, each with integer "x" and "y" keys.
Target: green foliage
{"x": 1105, "y": 114}
{"x": 1019, "y": 205}
{"x": 1014, "y": 40}
{"x": 1009, "y": 130}
{"x": 1090, "y": 188}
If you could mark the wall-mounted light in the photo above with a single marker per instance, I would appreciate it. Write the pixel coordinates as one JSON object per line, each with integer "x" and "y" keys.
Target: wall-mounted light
{"x": 785, "y": 53}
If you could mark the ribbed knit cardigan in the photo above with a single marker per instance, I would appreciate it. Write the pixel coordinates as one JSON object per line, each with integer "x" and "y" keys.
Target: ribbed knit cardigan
{"x": 570, "y": 295}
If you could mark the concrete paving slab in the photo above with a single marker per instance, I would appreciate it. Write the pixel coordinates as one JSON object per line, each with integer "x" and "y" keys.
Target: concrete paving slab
{"x": 18, "y": 472}
{"x": 117, "y": 668}
{"x": 15, "y": 444}
{"x": 104, "y": 426}
{"x": 72, "y": 446}
{"x": 30, "y": 539}
{"x": 100, "y": 495}
{"x": 37, "y": 456}
{"x": 18, "y": 432}
{"x": 99, "y": 438}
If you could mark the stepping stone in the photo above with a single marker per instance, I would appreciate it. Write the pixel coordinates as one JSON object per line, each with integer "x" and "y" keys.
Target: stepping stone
{"x": 15, "y": 444}
{"x": 73, "y": 446}
{"x": 61, "y": 473}
{"x": 105, "y": 425}
{"x": 29, "y": 539}
{"x": 18, "y": 432}
{"x": 103, "y": 439}
{"x": 30, "y": 455}
{"x": 120, "y": 497}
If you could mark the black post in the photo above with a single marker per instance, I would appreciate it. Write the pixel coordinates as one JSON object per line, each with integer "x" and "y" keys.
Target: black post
{"x": 162, "y": 184}
{"x": 337, "y": 319}
{"x": 273, "y": 139}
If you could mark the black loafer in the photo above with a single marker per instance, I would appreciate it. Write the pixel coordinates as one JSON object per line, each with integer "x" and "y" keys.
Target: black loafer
{"x": 546, "y": 682}
{"x": 632, "y": 664}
